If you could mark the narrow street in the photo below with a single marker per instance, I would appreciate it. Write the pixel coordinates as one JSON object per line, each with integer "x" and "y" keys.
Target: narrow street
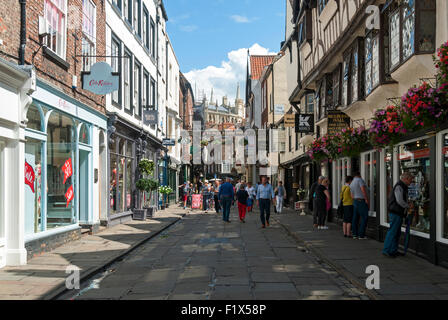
{"x": 203, "y": 258}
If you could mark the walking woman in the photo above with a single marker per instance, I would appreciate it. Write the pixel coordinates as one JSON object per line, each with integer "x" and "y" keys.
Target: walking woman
{"x": 323, "y": 203}
{"x": 215, "y": 195}
{"x": 347, "y": 204}
{"x": 242, "y": 197}
{"x": 251, "y": 191}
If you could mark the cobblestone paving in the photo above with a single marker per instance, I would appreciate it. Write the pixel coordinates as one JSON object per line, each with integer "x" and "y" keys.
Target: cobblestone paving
{"x": 202, "y": 258}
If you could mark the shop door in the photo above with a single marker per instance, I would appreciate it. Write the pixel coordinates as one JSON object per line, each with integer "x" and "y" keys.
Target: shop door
{"x": 84, "y": 186}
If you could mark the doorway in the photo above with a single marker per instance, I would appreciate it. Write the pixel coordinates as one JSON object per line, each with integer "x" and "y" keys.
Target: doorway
{"x": 84, "y": 186}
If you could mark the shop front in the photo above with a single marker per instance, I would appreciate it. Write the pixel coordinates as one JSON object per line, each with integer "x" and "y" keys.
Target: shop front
{"x": 63, "y": 160}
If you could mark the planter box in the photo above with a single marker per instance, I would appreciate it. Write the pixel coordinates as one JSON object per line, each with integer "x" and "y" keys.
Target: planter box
{"x": 139, "y": 214}
{"x": 149, "y": 212}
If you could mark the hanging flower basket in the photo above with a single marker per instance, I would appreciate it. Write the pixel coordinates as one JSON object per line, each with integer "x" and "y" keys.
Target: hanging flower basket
{"x": 353, "y": 141}
{"x": 318, "y": 151}
{"x": 386, "y": 127}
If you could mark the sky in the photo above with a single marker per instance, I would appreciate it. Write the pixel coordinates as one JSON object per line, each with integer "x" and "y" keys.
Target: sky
{"x": 211, "y": 38}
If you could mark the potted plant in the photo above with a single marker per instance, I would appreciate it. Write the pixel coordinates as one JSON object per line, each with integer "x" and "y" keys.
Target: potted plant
{"x": 145, "y": 184}
{"x": 165, "y": 191}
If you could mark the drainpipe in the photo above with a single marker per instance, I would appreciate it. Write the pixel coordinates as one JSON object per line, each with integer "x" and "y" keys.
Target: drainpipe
{"x": 22, "y": 32}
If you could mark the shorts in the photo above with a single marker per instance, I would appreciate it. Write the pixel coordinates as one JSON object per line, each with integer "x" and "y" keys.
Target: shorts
{"x": 348, "y": 214}
{"x": 185, "y": 197}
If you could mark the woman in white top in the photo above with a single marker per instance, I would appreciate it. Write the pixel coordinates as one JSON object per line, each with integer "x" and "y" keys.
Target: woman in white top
{"x": 250, "y": 201}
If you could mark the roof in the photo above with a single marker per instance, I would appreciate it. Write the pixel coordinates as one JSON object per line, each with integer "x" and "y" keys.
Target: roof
{"x": 257, "y": 64}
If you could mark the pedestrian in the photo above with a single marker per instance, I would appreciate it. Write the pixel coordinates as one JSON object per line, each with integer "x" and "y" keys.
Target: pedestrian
{"x": 252, "y": 195}
{"x": 312, "y": 199}
{"x": 226, "y": 195}
{"x": 265, "y": 194}
{"x": 397, "y": 205}
{"x": 347, "y": 205}
{"x": 242, "y": 196}
{"x": 361, "y": 206}
{"x": 322, "y": 203}
{"x": 186, "y": 193}
{"x": 205, "y": 195}
{"x": 215, "y": 195}
{"x": 280, "y": 193}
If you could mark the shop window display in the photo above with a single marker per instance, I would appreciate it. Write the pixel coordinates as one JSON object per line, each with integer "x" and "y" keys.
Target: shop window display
{"x": 61, "y": 188}
{"x": 445, "y": 187}
{"x": 415, "y": 158}
{"x": 33, "y": 186}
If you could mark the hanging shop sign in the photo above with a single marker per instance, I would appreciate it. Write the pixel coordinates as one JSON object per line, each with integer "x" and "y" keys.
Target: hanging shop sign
{"x": 168, "y": 142}
{"x": 290, "y": 120}
{"x": 29, "y": 176}
{"x": 67, "y": 169}
{"x": 150, "y": 117}
{"x": 101, "y": 79}
{"x": 337, "y": 121}
{"x": 305, "y": 123}
{"x": 69, "y": 195}
{"x": 279, "y": 109}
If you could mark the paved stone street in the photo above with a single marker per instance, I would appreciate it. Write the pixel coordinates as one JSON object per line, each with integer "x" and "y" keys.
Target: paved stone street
{"x": 201, "y": 257}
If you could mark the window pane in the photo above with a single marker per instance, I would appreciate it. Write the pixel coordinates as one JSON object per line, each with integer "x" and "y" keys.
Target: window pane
{"x": 33, "y": 116}
{"x": 408, "y": 33}
{"x": 388, "y": 162}
{"x": 427, "y": 31}
{"x": 33, "y": 187}
{"x": 355, "y": 75}
{"x": 394, "y": 39}
{"x": 84, "y": 134}
{"x": 128, "y": 183}
{"x": 61, "y": 147}
{"x": 414, "y": 157}
{"x": 346, "y": 72}
{"x": 375, "y": 61}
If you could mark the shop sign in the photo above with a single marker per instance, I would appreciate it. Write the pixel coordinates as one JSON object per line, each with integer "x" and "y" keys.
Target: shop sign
{"x": 29, "y": 176}
{"x": 337, "y": 121}
{"x": 69, "y": 195}
{"x": 290, "y": 120}
{"x": 168, "y": 142}
{"x": 305, "y": 123}
{"x": 279, "y": 109}
{"x": 67, "y": 169}
{"x": 101, "y": 79}
{"x": 150, "y": 117}
{"x": 196, "y": 201}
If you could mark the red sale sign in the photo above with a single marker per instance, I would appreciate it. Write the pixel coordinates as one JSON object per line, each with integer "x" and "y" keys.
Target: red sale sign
{"x": 67, "y": 169}
{"x": 29, "y": 176}
{"x": 69, "y": 195}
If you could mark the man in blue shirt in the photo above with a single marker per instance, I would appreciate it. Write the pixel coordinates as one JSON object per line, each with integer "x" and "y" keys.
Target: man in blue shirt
{"x": 225, "y": 197}
{"x": 265, "y": 194}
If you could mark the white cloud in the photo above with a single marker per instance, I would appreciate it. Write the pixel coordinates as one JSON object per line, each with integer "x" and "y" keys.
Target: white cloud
{"x": 188, "y": 28}
{"x": 242, "y": 19}
{"x": 224, "y": 78}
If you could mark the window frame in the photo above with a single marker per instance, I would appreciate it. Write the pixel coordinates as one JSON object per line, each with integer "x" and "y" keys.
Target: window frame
{"x": 146, "y": 30}
{"x": 137, "y": 103}
{"x": 128, "y": 53}
{"x": 152, "y": 38}
{"x": 137, "y": 17}
{"x": 64, "y": 32}
{"x": 357, "y": 47}
{"x": 89, "y": 39}
{"x": 118, "y": 104}
{"x": 372, "y": 34}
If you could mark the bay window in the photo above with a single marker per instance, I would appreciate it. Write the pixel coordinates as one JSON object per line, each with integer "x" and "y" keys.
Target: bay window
{"x": 352, "y": 82}
{"x": 88, "y": 34}
{"x": 372, "y": 61}
{"x": 56, "y": 14}
{"x": 412, "y": 26}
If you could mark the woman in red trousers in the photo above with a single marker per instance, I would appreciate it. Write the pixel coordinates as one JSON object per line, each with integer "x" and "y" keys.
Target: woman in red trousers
{"x": 242, "y": 197}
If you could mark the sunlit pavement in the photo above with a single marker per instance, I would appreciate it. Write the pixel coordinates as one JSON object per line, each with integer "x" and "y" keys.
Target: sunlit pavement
{"x": 201, "y": 257}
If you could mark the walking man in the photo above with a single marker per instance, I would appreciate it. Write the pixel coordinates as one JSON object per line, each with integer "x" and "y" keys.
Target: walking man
{"x": 281, "y": 194}
{"x": 397, "y": 205}
{"x": 361, "y": 207}
{"x": 265, "y": 194}
{"x": 312, "y": 200}
{"x": 226, "y": 196}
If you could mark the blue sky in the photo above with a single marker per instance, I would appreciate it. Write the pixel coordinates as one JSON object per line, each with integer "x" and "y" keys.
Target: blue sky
{"x": 210, "y": 38}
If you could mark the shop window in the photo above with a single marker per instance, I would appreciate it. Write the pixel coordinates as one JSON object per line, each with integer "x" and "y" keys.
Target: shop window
{"x": 84, "y": 134}
{"x": 369, "y": 173}
{"x": 33, "y": 186}
{"x": 61, "y": 188}
{"x": 129, "y": 175}
{"x": 145, "y": 27}
{"x": 55, "y": 14}
{"x": 445, "y": 187}
{"x": 414, "y": 157}
{"x": 412, "y": 27}
{"x": 34, "y": 119}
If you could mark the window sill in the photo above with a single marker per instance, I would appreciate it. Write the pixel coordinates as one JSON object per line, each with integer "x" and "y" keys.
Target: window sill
{"x": 116, "y": 8}
{"x": 128, "y": 111}
{"x": 116, "y": 105}
{"x": 56, "y": 59}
